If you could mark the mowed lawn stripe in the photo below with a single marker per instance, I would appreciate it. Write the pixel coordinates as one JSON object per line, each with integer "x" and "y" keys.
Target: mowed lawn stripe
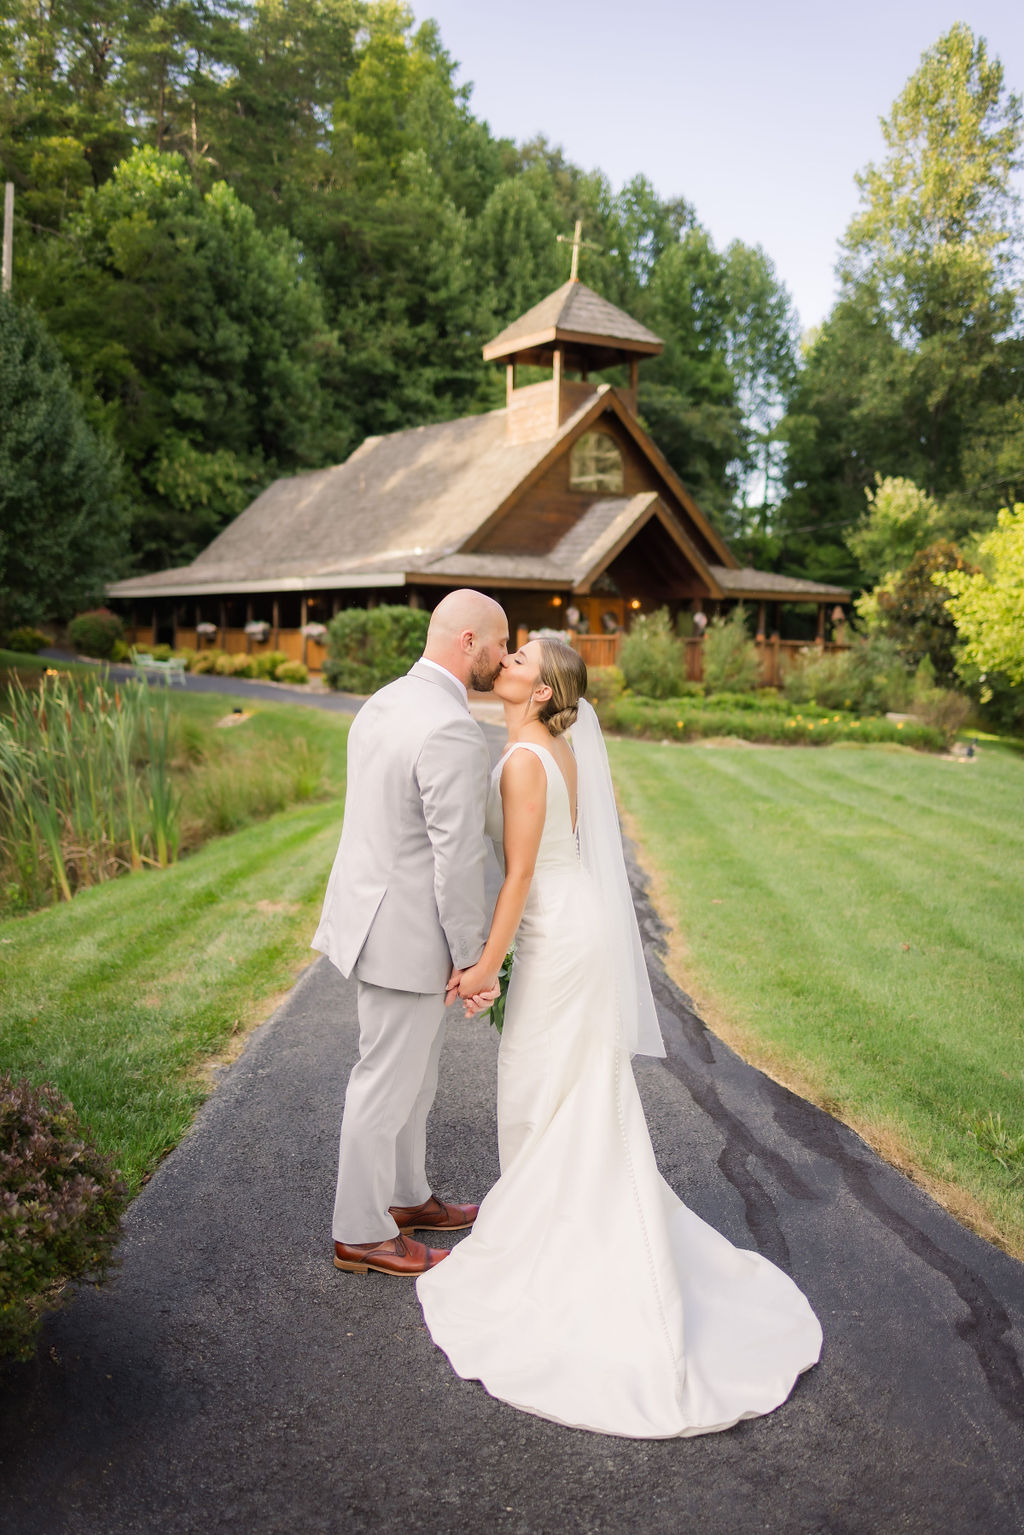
{"x": 979, "y": 909}
{"x": 794, "y": 880}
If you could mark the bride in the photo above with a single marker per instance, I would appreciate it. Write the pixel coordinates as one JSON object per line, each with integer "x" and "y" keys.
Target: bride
{"x": 587, "y": 1292}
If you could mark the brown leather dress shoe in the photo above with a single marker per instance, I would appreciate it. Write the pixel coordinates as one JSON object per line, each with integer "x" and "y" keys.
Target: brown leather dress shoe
{"x": 396, "y": 1255}
{"x": 433, "y": 1215}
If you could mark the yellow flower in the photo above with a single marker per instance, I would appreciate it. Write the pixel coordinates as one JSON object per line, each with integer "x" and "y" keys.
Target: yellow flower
{"x": 900, "y": 725}
{"x": 679, "y": 724}
{"x": 810, "y": 725}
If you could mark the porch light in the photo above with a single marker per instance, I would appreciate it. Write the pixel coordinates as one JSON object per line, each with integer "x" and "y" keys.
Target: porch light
{"x": 635, "y": 604}
{"x": 556, "y": 602}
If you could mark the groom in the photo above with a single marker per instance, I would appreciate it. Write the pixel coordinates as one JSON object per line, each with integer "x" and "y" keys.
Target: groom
{"x": 404, "y": 910}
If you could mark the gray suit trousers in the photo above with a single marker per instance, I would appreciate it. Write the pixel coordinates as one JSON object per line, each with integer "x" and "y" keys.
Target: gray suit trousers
{"x": 384, "y": 1124}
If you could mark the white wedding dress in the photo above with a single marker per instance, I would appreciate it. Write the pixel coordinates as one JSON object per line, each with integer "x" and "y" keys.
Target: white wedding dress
{"x": 587, "y": 1292}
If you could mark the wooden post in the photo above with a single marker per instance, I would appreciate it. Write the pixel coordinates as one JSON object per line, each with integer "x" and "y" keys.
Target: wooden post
{"x": 821, "y": 624}
{"x": 276, "y": 624}
{"x": 558, "y": 365}
{"x": 510, "y": 382}
{"x": 8, "y": 259}
{"x": 248, "y": 620}
{"x": 222, "y": 626}
{"x": 761, "y": 611}
{"x": 303, "y": 611}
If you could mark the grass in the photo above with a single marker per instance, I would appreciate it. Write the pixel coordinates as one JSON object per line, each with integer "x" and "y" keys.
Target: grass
{"x": 123, "y": 996}
{"x": 850, "y": 919}
{"x": 99, "y": 804}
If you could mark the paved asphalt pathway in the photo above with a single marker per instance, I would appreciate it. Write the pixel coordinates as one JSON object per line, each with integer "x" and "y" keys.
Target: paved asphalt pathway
{"x": 230, "y": 1379}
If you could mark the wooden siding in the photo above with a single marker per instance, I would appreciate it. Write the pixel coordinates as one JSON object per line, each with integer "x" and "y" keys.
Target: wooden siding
{"x": 550, "y": 508}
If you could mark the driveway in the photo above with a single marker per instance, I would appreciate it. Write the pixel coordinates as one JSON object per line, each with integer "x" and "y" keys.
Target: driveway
{"x": 230, "y": 1379}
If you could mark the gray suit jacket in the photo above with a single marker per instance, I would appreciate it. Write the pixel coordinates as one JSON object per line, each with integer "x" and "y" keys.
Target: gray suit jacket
{"x": 405, "y": 900}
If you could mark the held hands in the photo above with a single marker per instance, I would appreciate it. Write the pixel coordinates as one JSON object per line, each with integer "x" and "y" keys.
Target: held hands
{"x": 478, "y": 988}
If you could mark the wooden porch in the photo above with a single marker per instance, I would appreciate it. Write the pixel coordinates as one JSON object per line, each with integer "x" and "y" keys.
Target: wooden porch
{"x": 775, "y": 655}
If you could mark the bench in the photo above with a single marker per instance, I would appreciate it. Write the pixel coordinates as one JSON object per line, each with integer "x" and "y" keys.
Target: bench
{"x": 171, "y": 671}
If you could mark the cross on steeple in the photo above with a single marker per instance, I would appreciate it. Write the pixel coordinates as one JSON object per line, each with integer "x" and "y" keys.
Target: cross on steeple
{"x": 578, "y": 243}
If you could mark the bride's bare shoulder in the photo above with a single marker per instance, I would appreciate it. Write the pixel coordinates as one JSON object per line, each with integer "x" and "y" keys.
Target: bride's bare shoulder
{"x": 521, "y": 769}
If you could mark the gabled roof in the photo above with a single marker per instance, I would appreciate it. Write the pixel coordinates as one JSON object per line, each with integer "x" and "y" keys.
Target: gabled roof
{"x": 574, "y": 313}
{"x": 410, "y": 508}
{"x": 576, "y": 560}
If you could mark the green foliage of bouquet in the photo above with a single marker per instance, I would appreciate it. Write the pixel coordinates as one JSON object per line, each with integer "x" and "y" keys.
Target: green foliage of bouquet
{"x": 504, "y": 976}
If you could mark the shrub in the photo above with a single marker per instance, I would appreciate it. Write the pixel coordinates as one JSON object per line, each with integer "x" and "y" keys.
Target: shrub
{"x": 206, "y": 661}
{"x": 369, "y": 647}
{"x": 604, "y": 683}
{"x": 60, "y": 1208}
{"x": 674, "y": 720}
{"x": 821, "y": 678}
{"x": 765, "y": 700}
{"x": 651, "y": 658}
{"x": 26, "y": 641}
{"x": 267, "y": 662}
{"x": 871, "y": 677}
{"x": 121, "y": 651}
{"x": 161, "y": 652}
{"x": 292, "y": 671}
{"x": 730, "y": 655}
{"x": 234, "y": 665}
{"x": 942, "y": 708}
{"x": 95, "y": 633}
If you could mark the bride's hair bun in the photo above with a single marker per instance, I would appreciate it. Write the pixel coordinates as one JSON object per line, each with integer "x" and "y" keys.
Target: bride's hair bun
{"x": 564, "y": 671}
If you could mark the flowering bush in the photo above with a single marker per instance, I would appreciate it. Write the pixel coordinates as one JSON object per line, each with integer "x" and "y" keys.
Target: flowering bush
{"x": 60, "y": 1208}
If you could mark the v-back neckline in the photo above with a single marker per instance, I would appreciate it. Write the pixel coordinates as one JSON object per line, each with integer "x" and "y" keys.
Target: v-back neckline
{"x": 536, "y": 746}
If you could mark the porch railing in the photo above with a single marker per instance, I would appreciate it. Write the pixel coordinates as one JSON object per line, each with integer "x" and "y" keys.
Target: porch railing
{"x": 774, "y": 655}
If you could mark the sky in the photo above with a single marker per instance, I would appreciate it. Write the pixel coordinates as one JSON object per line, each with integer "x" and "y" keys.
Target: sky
{"x": 760, "y": 115}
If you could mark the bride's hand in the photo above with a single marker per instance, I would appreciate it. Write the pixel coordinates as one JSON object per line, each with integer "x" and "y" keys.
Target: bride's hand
{"x": 481, "y": 1002}
{"x": 476, "y": 980}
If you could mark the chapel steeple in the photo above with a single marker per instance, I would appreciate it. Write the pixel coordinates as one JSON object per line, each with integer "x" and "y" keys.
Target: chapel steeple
{"x": 574, "y": 331}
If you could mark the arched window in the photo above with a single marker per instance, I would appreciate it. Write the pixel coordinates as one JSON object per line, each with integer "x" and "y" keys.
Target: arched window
{"x": 596, "y": 463}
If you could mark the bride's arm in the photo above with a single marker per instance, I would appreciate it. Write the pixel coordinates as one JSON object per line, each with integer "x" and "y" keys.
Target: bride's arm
{"x": 523, "y": 806}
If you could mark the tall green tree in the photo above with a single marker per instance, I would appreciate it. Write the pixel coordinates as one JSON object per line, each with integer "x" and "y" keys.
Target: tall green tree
{"x": 988, "y": 606}
{"x": 198, "y": 340}
{"x": 62, "y": 510}
{"x": 688, "y": 394}
{"x": 917, "y": 372}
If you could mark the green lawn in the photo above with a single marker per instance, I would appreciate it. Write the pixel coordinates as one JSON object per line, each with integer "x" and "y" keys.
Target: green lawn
{"x": 121, "y": 996}
{"x": 853, "y": 920}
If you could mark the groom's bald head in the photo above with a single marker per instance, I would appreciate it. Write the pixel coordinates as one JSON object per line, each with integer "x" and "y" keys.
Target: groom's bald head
{"x": 468, "y": 635}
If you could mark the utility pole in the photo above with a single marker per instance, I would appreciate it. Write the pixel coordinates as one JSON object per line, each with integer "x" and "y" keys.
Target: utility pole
{"x": 8, "y": 266}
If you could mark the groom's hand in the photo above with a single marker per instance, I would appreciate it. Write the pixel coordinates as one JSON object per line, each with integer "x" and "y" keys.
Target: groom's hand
{"x": 452, "y": 989}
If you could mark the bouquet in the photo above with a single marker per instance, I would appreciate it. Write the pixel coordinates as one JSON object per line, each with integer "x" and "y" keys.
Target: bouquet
{"x": 497, "y": 1008}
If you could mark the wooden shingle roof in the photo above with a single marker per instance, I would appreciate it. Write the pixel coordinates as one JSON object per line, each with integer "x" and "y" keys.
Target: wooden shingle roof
{"x": 766, "y": 585}
{"x": 574, "y": 313}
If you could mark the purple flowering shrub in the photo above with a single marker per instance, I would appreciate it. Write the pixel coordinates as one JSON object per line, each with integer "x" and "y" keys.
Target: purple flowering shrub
{"x": 60, "y": 1208}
